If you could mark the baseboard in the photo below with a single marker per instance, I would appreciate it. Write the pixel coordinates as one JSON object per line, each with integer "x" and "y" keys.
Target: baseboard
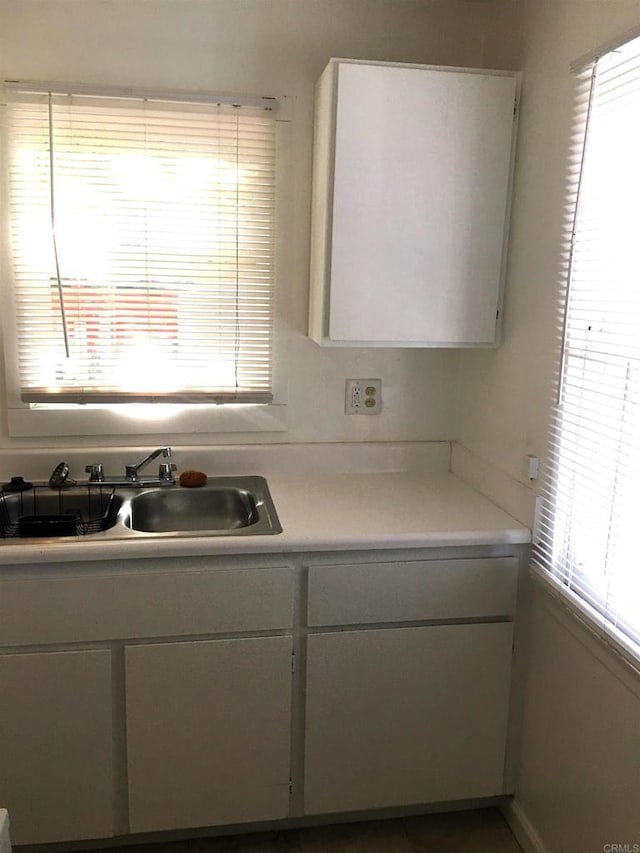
{"x": 524, "y": 831}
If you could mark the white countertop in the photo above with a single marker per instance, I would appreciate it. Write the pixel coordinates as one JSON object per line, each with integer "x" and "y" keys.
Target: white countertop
{"x": 319, "y": 512}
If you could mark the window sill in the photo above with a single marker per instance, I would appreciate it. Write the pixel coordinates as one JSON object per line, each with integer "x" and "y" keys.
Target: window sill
{"x": 141, "y": 420}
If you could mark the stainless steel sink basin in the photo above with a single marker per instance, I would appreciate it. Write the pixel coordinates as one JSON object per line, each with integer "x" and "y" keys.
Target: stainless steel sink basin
{"x": 225, "y": 506}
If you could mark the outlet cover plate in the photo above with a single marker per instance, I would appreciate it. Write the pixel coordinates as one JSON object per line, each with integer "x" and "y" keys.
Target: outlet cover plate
{"x": 363, "y": 396}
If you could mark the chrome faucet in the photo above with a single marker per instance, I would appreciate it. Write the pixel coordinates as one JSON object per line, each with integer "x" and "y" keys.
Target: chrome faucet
{"x": 132, "y": 475}
{"x": 131, "y": 471}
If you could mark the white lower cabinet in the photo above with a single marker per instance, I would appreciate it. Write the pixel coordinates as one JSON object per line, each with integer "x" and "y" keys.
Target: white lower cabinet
{"x": 56, "y": 745}
{"x": 152, "y": 696}
{"x": 208, "y": 732}
{"x": 406, "y": 715}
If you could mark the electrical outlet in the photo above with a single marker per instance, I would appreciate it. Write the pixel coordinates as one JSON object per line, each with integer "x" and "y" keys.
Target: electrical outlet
{"x": 363, "y": 396}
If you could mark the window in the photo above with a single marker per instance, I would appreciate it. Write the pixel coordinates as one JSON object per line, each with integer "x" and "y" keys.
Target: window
{"x": 588, "y": 530}
{"x": 142, "y": 234}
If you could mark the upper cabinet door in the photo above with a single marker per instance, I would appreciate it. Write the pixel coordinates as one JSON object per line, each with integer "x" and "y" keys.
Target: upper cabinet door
{"x": 412, "y": 172}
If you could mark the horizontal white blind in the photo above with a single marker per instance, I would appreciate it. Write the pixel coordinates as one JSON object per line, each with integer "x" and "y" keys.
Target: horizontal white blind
{"x": 589, "y": 529}
{"x": 142, "y": 233}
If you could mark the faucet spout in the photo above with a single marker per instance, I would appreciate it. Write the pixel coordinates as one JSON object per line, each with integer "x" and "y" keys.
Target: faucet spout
{"x": 131, "y": 471}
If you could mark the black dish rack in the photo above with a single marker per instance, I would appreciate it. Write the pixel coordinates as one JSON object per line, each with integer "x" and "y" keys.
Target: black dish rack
{"x": 40, "y": 511}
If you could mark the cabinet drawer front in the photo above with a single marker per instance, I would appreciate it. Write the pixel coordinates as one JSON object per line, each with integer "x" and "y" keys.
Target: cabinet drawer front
{"x": 413, "y": 591}
{"x": 104, "y": 607}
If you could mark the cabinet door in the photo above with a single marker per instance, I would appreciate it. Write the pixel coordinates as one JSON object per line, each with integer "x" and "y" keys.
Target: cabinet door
{"x": 208, "y": 732}
{"x": 416, "y": 210}
{"x": 402, "y": 716}
{"x": 56, "y": 753}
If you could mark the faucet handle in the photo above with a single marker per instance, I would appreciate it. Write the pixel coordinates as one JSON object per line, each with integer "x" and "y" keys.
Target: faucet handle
{"x": 95, "y": 472}
{"x": 166, "y": 471}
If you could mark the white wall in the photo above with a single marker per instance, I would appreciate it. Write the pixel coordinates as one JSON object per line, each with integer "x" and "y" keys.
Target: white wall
{"x": 578, "y": 784}
{"x": 579, "y": 767}
{"x": 274, "y": 47}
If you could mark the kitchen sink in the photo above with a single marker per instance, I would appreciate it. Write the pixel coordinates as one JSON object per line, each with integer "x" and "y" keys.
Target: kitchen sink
{"x": 227, "y": 505}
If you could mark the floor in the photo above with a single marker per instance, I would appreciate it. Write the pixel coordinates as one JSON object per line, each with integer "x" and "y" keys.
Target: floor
{"x": 480, "y": 831}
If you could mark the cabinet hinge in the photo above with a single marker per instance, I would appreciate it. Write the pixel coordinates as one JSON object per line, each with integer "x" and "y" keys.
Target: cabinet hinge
{"x": 290, "y": 786}
{"x": 515, "y": 108}
{"x": 293, "y": 660}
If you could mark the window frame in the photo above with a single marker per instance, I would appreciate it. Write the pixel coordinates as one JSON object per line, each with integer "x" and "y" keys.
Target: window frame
{"x": 126, "y": 419}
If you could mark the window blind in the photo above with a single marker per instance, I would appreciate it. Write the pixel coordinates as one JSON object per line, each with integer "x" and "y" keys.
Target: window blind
{"x": 588, "y": 527}
{"x": 142, "y": 234}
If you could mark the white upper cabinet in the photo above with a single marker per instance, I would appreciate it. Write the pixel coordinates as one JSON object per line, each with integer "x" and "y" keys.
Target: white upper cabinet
{"x": 411, "y": 182}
